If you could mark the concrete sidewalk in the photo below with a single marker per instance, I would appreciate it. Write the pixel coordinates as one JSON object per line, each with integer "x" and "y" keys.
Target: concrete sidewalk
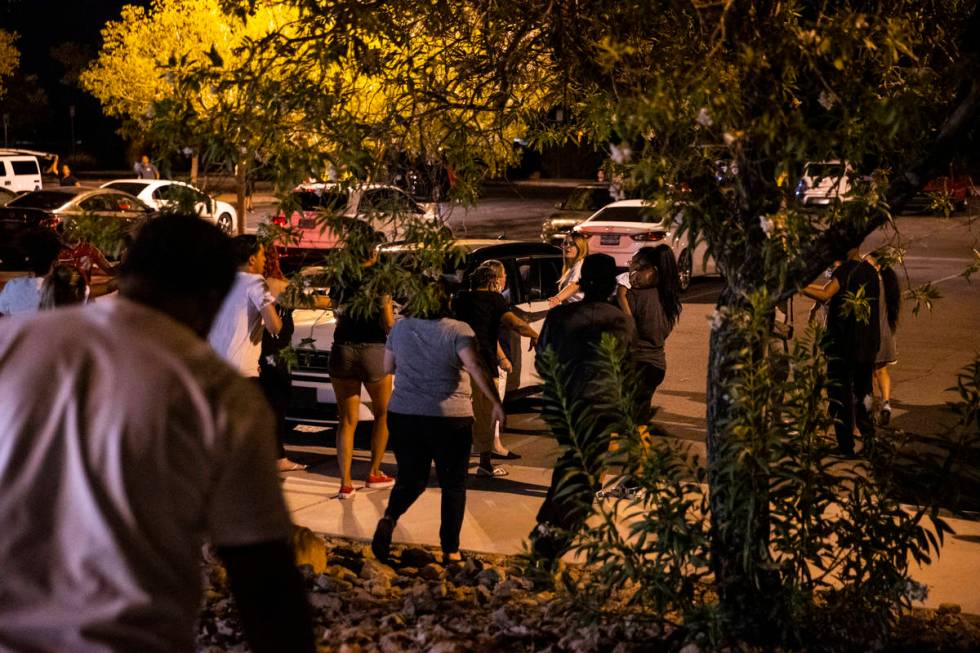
{"x": 501, "y": 512}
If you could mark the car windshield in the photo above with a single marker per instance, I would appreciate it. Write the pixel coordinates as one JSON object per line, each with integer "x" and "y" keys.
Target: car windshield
{"x": 626, "y": 214}
{"x": 823, "y": 170}
{"x": 310, "y": 200}
{"x": 42, "y": 199}
{"x": 132, "y": 187}
{"x": 587, "y": 198}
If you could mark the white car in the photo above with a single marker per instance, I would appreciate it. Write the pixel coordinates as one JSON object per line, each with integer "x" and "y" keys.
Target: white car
{"x": 19, "y": 171}
{"x": 164, "y": 193}
{"x": 622, "y": 228}
{"x": 824, "y": 182}
{"x": 533, "y": 270}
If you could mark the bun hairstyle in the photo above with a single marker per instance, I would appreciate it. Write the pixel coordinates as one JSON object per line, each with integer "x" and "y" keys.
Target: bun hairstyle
{"x": 486, "y": 273}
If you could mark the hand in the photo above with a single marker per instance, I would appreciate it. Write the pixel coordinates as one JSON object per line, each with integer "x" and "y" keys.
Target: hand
{"x": 497, "y": 415}
{"x": 532, "y": 343}
{"x": 553, "y": 301}
{"x": 504, "y": 363}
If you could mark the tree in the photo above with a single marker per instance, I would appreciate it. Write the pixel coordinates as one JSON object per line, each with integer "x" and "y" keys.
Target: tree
{"x": 677, "y": 90}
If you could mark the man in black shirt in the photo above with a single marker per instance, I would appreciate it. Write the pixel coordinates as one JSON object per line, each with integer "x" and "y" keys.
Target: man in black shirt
{"x": 573, "y": 331}
{"x": 851, "y": 346}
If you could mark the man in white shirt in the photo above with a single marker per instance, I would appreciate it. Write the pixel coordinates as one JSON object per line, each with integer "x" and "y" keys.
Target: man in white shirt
{"x": 143, "y": 445}
{"x": 249, "y": 307}
{"x": 22, "y": 295}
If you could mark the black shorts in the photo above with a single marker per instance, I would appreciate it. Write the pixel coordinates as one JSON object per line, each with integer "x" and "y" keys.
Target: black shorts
{"x": 364, "y": 362}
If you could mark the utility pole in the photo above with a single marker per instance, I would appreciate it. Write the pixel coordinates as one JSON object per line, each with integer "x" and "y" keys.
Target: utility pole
{"x": 71, "y": 116}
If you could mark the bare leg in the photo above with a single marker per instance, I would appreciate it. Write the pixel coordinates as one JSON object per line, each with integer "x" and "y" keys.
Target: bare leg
{"x": 380, "y": 393}
{"x": 348, "y": 393}
{"x": 884, "y": 380}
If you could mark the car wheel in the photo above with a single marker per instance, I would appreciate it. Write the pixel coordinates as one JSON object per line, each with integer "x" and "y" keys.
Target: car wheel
{"x": 224, "y": 223}
{"x": 685, "y": 268}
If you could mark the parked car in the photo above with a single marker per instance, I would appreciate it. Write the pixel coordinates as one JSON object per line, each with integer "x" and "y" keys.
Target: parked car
{"x": 533, "y": 270}
{"x": 825, "y": 182}
{"x": 19, "y": 171}
{"x": 958, "y": 186}
{"x": 50, "y": 207}
{"x": 6, "y": 196}
{"x": 166, "y": 193}
{"x": 620, "y": 229}
{"x": 377, "y": 204}
{"x": 583, "y": 201}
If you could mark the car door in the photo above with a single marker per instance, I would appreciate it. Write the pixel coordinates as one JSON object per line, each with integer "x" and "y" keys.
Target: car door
{"x": 531, "y": 280}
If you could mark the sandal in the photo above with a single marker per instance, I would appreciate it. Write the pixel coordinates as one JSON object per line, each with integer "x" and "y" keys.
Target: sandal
{"x": 493, "y": 471}
{"x": 510, "y": 455}
{"x": 287, "y": 465}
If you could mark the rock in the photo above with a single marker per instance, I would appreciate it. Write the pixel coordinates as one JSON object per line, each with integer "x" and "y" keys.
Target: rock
{"x": 432, "y": 571}
{"x": 440, "y": 590}
{"x": 372, "y": 569}
{"x": 325, "y": 602}
{"x": 394, "y": 643}
{"x": 416, "y": 557}
{"x": 309, "y": 548}
{"x": 489, "y": 577}
{"x": 446, "y": 647}
{"x": 333, "y": 585}
{"x": 472, "y": 566}
{"x": 483, "y": 594}
{"x": 690, "y": 648}
{"x": 393, "y": 621}
{"x": 501, "y": 619}
{"x": 949, "y": 608}
{"x": 408, "y": 571}
{"x": 380, "y": 586}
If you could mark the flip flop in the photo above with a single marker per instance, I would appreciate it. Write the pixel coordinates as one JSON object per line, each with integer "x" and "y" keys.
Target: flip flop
{"x": 286, "y": 465}
{"x": 494, "y": 471}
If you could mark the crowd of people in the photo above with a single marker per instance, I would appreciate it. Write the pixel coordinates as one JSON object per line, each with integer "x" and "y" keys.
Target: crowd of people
{"x": 141, "y": 477}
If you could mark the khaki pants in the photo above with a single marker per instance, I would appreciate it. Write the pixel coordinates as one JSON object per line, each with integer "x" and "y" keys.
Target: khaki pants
{"x": 483, "y": 431}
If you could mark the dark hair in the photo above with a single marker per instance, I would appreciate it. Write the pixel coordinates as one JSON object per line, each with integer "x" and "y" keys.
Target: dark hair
{"x": 246, "y": 246}
{"x": 40, "y": 247}
{"x": 598, "y": 279}
{"x": 64, "y": 286}
{"x": 431, "y": 300}
{"x": 662, "y": 258}
{"x": 893, "y": 296}
{"x": 361, "y": 239}
{"x": 180, "y": 254}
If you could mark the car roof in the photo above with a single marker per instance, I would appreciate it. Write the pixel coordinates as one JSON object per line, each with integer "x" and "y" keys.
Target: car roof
{"x": 638, "y": 203}
{"x": 336, "y": 185}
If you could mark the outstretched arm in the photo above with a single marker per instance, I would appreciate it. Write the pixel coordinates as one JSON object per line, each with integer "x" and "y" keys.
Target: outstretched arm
{"x": 270, "y": 597}
{"x": 564, "y": 294}
{"x": 515, "y": 323}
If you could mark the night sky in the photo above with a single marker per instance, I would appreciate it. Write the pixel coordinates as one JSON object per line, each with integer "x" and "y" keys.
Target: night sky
{"x": 43, "y": 25}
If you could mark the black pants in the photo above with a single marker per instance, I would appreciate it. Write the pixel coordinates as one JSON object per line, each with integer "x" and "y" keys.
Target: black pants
{"x": 567, "y": 510}
{"x": 850, "y": 387}
{"x": 417, "y": 441}
{"x": 650, "y": 377}
{"x": 276, "y": 386}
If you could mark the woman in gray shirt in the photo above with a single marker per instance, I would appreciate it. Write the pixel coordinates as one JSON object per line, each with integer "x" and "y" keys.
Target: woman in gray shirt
{"x": 430, "y": 417}
{"x": 654, "y": 301}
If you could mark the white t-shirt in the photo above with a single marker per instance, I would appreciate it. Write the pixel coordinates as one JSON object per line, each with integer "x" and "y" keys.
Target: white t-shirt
{"x": 237, "y": 331}
{"x": 21, "y": 295}
{"x": 124, "y": 443}
{"x": 572, "y": 275}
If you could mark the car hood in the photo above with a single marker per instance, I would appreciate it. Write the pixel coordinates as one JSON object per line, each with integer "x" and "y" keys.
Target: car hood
{"x": 568, "y": 217}
{"x": 313, "y": 324}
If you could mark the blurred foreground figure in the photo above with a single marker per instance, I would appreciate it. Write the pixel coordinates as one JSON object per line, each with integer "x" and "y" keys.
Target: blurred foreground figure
{"x": 125, "y": 442}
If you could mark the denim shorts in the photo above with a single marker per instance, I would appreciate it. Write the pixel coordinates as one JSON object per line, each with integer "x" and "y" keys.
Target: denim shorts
{"x": 364, "y": 362}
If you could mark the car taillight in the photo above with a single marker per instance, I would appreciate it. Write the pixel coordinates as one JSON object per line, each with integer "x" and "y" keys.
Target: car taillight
{"x": 51, "y": 222}
{"x": 280, "y": 220}
{"x": 649, "y": 236}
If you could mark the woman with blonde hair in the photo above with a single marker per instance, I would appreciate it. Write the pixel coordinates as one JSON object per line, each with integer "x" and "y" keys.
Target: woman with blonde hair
{"x": 574, "y": 250}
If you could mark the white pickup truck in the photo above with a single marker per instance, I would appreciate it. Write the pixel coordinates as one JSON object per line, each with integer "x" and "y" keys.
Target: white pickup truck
{"x": 533, "y": 269}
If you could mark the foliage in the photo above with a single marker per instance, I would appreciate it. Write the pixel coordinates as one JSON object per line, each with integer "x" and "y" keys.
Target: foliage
{"x": 9, "y": 57}
{"x": 837, "y": 544}
{"x": 109, "y": 235}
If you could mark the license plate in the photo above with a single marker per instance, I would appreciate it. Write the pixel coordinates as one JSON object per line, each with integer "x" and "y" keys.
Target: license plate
{"x": 307, "y": 223}
{"x": 609, "y": 239}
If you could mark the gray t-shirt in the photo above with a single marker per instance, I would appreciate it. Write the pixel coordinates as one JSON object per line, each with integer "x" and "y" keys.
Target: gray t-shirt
{"x": 652, "y": 327}
{"x": 429, "y": 378}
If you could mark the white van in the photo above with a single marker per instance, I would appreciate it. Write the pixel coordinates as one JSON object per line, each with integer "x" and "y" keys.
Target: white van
{"x": 19, "y": 172}
{"x": 825, "y": 182}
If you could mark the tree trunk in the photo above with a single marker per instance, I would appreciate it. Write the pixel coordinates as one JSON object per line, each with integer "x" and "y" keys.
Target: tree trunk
{"x": 240, "y": 171}
{"x": 195, "y": 162}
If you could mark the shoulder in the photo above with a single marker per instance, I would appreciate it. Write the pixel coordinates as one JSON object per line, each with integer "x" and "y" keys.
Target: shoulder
{"x": 457, "y": 327}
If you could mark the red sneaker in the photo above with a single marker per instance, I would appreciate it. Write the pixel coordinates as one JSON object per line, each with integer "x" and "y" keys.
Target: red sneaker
{"x": 346, "y": 492}
{"x": 379, "y": 481}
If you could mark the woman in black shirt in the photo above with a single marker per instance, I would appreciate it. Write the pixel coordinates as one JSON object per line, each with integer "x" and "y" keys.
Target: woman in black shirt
{"x": 356, "y": 359}
{"x": 486, "y": 310}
